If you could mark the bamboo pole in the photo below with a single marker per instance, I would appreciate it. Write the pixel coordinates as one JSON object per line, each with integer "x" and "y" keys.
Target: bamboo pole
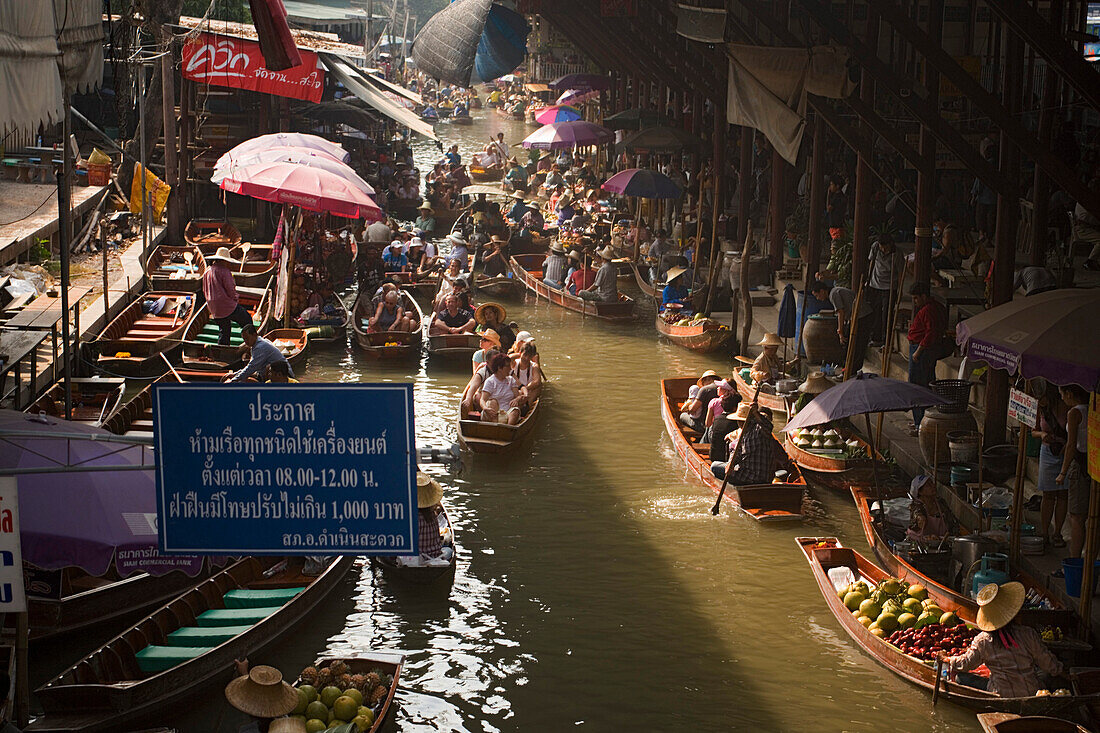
{"x": 1018, "y": 499}
{"x": 853, "y": 328}
{"x": 888, "y": 346}
{"x": 746, "y": 254}
{"x": 1087, "y": 572}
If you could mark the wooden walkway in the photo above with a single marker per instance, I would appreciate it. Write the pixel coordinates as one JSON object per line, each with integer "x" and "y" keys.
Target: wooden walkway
{"x": 35, "y": 205}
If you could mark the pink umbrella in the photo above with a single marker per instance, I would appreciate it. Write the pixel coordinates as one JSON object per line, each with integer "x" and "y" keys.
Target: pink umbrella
{"x": 298, "y": 156}
{"x": 568, "y": 135}
{"x": 557, "y": 113}
{"x": 311, "y": 188}
{"x": 284, "y": 139}
{"x": 576, "y": 96}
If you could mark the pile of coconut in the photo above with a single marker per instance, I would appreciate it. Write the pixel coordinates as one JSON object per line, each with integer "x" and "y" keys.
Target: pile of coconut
{"x": 821, "y": 439}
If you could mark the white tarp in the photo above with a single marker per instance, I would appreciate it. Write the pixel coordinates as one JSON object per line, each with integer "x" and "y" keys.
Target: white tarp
{"x": 30, "y": 80}
{"x": 362, "y": 87}
{"x": 768, "y": 88}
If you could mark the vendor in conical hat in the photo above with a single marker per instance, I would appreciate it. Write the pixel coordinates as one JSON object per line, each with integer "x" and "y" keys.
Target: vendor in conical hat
{"x": 1011, "y": 651}
{"x": 261, "y": 692}
{"x": 768, "y": 367}
{"x": 428, "y": 495}
{"x": 814, "y": 385}
{"x": 490, "y": 316}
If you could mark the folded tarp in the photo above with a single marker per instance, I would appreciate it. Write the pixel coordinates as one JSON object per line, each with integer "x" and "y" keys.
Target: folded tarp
{"x": 362, "y": 86}
{"x": 768, "y": 88}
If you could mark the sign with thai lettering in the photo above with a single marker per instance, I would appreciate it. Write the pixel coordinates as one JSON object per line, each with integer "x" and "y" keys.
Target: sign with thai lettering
{"x": 13, "y": 598}
{"x": 238, "y": 63}
{"x": 286, "y": 469}
{"x": 1023, "y": 408}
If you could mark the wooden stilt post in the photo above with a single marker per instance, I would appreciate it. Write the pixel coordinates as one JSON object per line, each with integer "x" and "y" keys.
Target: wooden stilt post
{"x": 813, "y": 229}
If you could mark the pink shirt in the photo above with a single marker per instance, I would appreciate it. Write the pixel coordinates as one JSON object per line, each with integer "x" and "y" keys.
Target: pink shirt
{"x": 220, "y": 291}
{"x": 715, "y": 407}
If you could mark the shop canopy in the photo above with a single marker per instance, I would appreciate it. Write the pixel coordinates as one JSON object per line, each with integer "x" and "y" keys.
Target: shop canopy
{"x": 364, "y": 87}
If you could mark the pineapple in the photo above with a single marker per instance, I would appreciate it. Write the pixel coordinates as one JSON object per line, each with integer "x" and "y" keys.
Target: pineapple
{"x": 310, "y": 676}
{"x": 359, "y": 681}
{"x": 373, "y": 680}
{"x": 377, "y": 695}
{"x": 324, "y": 677}
{"x": 343, "y": 681}
{"x": 339, "y": 667}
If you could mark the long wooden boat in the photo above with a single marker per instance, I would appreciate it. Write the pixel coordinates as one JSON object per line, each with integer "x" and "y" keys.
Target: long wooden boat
{"x": 825, "y": 553}
{"x": 511, "y": 115}
{"x": 94, "y": 400}
{"x": 423, "y": 288}
{"x": 835, "y": 471}
{"x": 479, "y": 174}
{"x": 386, "y": 344}
{"x": 132, "y": 344}
{"x": 135, "y": 418}
{"x": 201, "y": 349}
{"x": 457, "y": 347}
{"x": 293, "y": 342}
{"x": 185, "y": 645}
{"x": 703, "y": 337}
{"x": 487, "y": 437}
{"x": 763, "y": 502}
{"x": 424, "y": 574}
{"x": 175, "y": 268}
{"x": 332, "y": 330}
{"x": 501, "y": 286}
{"x": 84, "y": 601}
{"x": 774, "y": 402}
{"x": 461, "y": 120}
{"x": 256, "y": 267}
{"x": 641, "y": 278}
{"x": 1011, "y": 723}
{"x": 381, "y": 663}
{"x": 209, "y": 234}
{"x": 528, "y": 269}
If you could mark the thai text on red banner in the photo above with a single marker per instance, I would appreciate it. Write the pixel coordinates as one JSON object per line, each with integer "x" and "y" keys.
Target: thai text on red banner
{"x": 238, "y": 63}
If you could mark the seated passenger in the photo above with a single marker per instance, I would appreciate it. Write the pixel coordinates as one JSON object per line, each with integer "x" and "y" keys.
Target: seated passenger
{"x": 501, "y": 396}
{"x": 675, "y": 290}
{"x": 451, "y": 319}
{"x": 494, "y": 264}
{"x": 527, "y": 372}
{"x": 389, "y": 315}
{"x": 582, "y": 276}
{"x": 394, "y": 259}
{"x": 472, "y": 393}
{"x": 554, "y": 266}
{"x": 768, "y": 367}
{"x": 490, "y": 317}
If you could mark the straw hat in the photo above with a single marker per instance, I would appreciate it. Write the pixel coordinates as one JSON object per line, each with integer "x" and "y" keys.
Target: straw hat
{"x": 287, "y": 725}
{"x": 708, "y": 374}
{"x": 491, "y": 336}
{"x": 574, "y": 255}
{"x": 517, "y": 195}
{"x": 457, "y": 238}
{"x": 428, "y": 494}
{"x": 262, "y": 693}
{"x": 674, "y": 273}
{"x": 497, "y": 239}
{"x": 479, "y": 314}
{"x": 770, "y": 339}
{"x": 607, "y": 253}
{"x": 223, "y": 255}
{"x": 815, "y": 383}
{"x": 742, "y": 413}
{"x": 999, "y": 604}
{"x": 424, "y": 207}
{"x": 556, "y": 247}
{"x": 524, "y": 336}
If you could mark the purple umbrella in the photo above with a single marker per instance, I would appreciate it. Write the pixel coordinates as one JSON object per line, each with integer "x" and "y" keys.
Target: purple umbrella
{"x": 576, "y": 96}
{"x": 644, "y": 183}
{"x": 568, "y": 135}
{"x": 557, "y": 113}
{"x": 862, "y": 394}
{"x": 581, "y": 81}
{"x": 1031, "y": 337}
{"x": 84, "y": 519}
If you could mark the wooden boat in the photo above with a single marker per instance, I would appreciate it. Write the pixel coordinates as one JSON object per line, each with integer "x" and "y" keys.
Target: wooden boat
{"x": 423, "y": 288}
{"x": 641, "y": 278}
{"x": 511, "y": 115}
{"x": 774, "y": 402}
{"x": 475, "y": 102}
{"x": 703, "y": 338}
{"x": 175, "y": 268}
{"x": 762, "y": 502}
{"x": 386, "y": 344}
{"x": 200, "y": 341}
{"x": 136, "y": 416}
{"x": 825, "y": 553}
{"x": 132, "y": 344}
{"x": 424, "y": 574}
{"x": 293, "y": 342}
{"x": 528, "y": 269}
{"x": 209, "y": 234}
{"x": 461, "y": 120}
{"x": 458, "y": 347}
{"x": 185, "y": 645}
{"x": 488, "y": 437}
{"x": 478, "y": 174}
{"x": 94, "y": 400}
{"x": 256, "y": 267}
{"x": 83, "y": 601}
{"x": 332, "y": 330}
{"x": 835, "y": 470}
{"x": 382, "y": 663}
{"x": 501, "y": 286}
{"x": 1010, "y": 723}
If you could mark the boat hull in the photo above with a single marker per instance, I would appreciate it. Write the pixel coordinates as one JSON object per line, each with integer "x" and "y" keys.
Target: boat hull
{"x": 387, "y": 345}
{"x": 528, "y": 269}
{"x": 701, "y": 339}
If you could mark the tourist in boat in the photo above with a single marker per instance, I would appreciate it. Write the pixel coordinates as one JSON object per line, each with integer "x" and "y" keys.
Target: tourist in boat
{"x": 1011, "y": 651}
{"x": 516, "y": 176}
{"x": 459, "y": 251}
{"x": 378, "y": 232}
{"x": 394, "y": 258}
{"x": 429, "y": 260}
{"x": 1074, "y": 474}
{"x": 605, "y": 286}
{"x": 675, "y": 292}
{"x": 452, "y": 318}
{"x": 928, "y": 519}
{"x": 759, "y": 455}
{"x": 518, "y": 210}
{"x": 489, "y": 342}
{"x": 472, "y": 393}
{"x": 815, "y": 384}
{"x": 279, "y": 373}
{"x": 453, "y": 157}
{"x": 221, "y": 295}
{"x": 1052, "y": 434}
{"x": 462, "y": 292}
{"x": 926, "y": 343}
{"x": 554, "y": 266}
{"x": 582, "y": 276}
{"x": 490, "y": 316}
{"x": 425, "y": 221}
{"x": 389, "y": 315}
{"x": 259, "y": 693}
{"x": 769, "y": 367}
{"x": 844, "y": 301}
{"x": 501, "y": 396}
{"x": 446, "y": 283}
{"x": 725, "y": 431}
{"x": 565, "y": 210}
{"x": 262, "y": 354}
{"x": 527, "y": 372}
{"x": 700, "y": 394}
{"x": 714, "y": 406}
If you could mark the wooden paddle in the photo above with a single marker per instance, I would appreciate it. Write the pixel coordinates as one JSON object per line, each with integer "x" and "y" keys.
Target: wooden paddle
{"x": 189, "y": 257}
{"x": 736, "y": 454}
{"x": 244, "y": 254}
{"x": 171, "y": 368}
{"x": 936, "y": 686}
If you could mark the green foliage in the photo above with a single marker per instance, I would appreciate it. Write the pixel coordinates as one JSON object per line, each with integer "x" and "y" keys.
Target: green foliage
{"x": 232, "y": 10}
{"x": 40, "y": 251}
{"x": 841, "y": 260}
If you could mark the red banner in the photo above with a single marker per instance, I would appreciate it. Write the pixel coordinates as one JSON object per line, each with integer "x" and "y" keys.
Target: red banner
{"x": 237, "y": 63}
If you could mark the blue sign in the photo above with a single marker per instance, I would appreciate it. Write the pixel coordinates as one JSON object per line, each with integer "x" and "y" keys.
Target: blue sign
{"x": 286, "y": 469}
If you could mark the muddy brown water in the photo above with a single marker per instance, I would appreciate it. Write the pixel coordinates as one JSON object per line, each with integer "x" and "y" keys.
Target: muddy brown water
{"x": 594, "y": 589}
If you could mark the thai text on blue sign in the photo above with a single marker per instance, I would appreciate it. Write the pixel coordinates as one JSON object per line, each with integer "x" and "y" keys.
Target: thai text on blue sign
{"x": 286, "y": 469}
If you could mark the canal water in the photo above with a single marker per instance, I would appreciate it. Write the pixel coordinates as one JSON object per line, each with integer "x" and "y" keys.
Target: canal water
{"x": 594, "y": 589}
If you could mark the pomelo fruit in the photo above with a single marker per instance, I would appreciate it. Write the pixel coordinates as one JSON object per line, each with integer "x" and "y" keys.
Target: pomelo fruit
{"x": 345, "y": 708}
{"x": 310, "y": 691}
{"x": 918, "y": 591}
{"x": 329, "y": 695}
{"x": 361, "y": 723}
{"x": 890, "y": 586}
{"x": 927, "y": 619}
{"x": 870, "y": 608}
{"x": 911, "y": 605}
{"x": 303, "y": 702}
{"x": 853, "y": 599}
{"x": 865, "y": 620}
{"x": 888, "y": 622}
{"x": 949, "y": 619}
{"x": 934, "y": 609}
{"x": 906, "y": 621}
{"x": 365, "y": 712}
{"x": 878, "y": 632}
{"x": 317, "y": 710}
{"x": 313, "y": 725}
{"x": 354, "y": 694}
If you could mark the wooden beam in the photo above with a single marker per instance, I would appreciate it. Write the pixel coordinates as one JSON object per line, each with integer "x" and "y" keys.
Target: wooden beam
{"x": 885, "y": 130}
{"x": 926, "y": 179}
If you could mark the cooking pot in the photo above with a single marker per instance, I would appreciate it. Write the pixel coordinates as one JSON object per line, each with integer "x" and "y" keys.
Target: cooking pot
{"x": 970, "y": 549}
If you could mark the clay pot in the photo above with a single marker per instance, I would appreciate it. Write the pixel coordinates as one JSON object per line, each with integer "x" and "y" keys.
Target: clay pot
{"x": 934, "y": 443}
{"x": 821, "y": 341}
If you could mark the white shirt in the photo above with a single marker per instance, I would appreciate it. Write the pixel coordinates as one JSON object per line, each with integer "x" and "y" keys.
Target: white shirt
{"x": 379, "y": 232}
{"x": 502, "y": 390}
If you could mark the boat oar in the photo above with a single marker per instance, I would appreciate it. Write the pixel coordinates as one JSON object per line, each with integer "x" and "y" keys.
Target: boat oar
{"x": 189, "y": 257}
{"x": 171, "y": 368}
{"x": 936, "y": 686}
{"x": 734, "y": 458}
{"x": 244, "y": 254}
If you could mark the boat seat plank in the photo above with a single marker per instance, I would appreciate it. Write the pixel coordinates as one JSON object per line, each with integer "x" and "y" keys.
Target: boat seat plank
{"x": 204, "y": 636}
{"x": 153, "y": 658}
{"x": 234, "y": 616}
{"x": 248, "y": 598}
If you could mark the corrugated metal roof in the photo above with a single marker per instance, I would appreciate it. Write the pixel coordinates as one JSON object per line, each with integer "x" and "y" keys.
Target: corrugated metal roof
{"x": 308, "y": 40}
{"x": 312, "y": 11}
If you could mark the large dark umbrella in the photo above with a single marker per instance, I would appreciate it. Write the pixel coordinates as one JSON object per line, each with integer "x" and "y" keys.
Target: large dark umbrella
{"x": 643, "y": 183}
{"x": 469, "y": 40}
{"x": 633, "y": 119}
{"x": 581, "y": 81}
{"x": 659, "y": 140}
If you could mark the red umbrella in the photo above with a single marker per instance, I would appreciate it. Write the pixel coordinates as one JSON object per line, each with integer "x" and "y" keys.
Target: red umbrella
{"x": 311, "y": 188}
